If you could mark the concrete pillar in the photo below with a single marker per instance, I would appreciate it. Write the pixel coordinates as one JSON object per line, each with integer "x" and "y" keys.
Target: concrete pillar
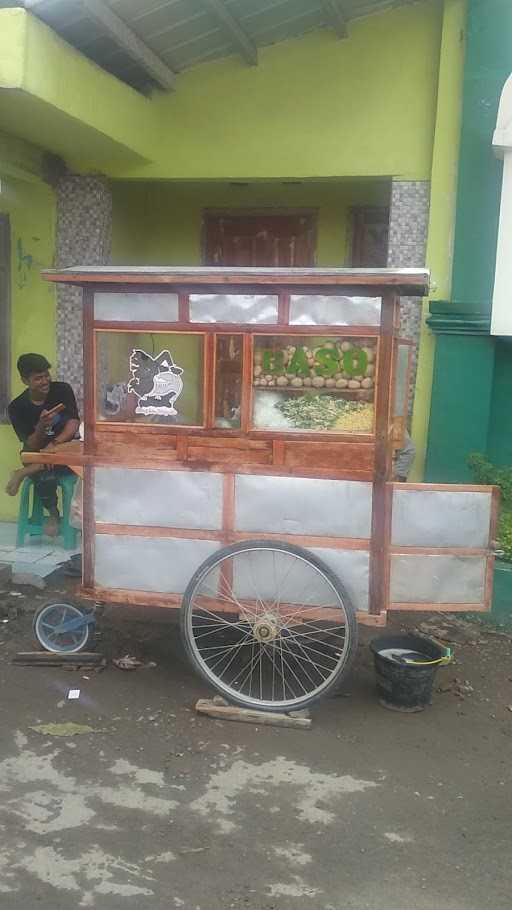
{"x": 84, "y": 232}
{"x": 408, "y": 230}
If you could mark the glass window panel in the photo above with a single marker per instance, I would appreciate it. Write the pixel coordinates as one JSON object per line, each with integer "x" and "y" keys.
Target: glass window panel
{"x": 135, "y": 307}
{"x": 150, "y": 377}
{"x": 325, "y": 309}
{"x": 228, "y": 380}
{"x": 246, "y": 309}
{"x": 316, "y": 384}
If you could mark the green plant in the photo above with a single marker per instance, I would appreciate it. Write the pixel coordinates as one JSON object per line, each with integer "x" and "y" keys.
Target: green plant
{"x": 484, "y": 472}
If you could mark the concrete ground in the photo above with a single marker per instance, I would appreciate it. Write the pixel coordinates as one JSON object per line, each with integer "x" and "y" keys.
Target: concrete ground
{"x": 159, "y": 808}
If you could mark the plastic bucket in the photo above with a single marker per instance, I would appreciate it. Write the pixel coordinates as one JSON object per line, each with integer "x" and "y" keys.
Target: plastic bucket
{"x": 405, "y": 667}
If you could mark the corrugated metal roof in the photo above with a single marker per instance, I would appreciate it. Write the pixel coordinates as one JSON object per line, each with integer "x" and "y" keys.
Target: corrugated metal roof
{"x": 184, "y": 33}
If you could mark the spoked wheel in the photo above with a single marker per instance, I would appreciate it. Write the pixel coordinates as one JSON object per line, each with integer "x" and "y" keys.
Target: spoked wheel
{"x": 268, "y": 625}
{"x": 64, "y": 627}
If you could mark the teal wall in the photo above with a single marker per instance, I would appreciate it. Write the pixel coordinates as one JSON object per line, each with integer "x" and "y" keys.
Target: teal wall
{"x": 473, "y": 372}
{"x": 488, "y": 65}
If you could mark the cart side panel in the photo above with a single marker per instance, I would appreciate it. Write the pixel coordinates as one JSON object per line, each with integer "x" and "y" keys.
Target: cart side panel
{"x": 179, "y": 499}
{"x": 441, "y": 554}
{"x": 437, "y": 579}
{"x": 148, "y": 563}
{"x": 439, "y": 518}
{"x": 307, "y": 506}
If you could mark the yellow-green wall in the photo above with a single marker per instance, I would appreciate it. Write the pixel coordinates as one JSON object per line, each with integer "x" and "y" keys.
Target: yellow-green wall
{"x": 159, "y": 223}
{"x": 31, "y": 210}
{"x": 313, "y": 107}
{"x": 443, "y": 195}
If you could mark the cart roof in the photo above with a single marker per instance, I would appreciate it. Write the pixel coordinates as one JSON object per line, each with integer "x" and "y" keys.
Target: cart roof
{"x": 408, "y": 282}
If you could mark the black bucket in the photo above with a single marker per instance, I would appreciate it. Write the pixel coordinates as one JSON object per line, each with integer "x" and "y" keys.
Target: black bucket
{"x": 405, "y": 666}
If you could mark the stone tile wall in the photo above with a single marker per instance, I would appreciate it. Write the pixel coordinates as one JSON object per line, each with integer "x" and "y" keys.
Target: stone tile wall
{"x": 84, "y": 231}
{"x": 408, "y": 228}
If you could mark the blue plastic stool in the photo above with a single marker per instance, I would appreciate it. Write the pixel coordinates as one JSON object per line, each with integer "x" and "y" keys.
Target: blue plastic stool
{"x": 33, "y": 522}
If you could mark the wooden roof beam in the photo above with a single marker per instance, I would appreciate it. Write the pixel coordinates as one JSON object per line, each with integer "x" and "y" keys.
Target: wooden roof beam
{"x": 127, "y": 39}
{"x": 246, "y": 46}
{"x": 335, "y": 17}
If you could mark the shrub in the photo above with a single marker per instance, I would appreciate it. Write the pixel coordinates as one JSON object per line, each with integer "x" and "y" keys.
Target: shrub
{"x": 484, "y": 472}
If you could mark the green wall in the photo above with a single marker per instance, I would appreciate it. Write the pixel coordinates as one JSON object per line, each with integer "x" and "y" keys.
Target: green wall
{"x": 160, "y": 222}
{"x": 473, "y": 372}
{"x": 489, "y": 63}
{"x": 31, "y": 209}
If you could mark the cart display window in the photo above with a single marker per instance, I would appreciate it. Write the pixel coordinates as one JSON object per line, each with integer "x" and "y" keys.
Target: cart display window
{"x": 228, "y": 381}
{"x": 150, "y": 377}
{"x": 314, "y": 383}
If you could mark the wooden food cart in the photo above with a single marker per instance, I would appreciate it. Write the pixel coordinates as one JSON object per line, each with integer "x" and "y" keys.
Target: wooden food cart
{"x": 237, "y": 465}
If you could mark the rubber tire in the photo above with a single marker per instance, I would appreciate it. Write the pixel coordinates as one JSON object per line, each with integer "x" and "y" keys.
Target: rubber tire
{"x": 256, "y": 544}
{"x": 88, "y": 642}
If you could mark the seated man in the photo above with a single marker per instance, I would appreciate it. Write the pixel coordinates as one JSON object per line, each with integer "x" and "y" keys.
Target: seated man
{"x": 38, "y": 424}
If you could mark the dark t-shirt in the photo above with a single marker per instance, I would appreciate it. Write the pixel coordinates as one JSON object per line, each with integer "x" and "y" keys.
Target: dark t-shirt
{"x": 24, "y": 414}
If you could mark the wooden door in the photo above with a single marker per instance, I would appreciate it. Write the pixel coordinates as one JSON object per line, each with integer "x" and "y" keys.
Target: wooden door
{"x": 272, "y": 240}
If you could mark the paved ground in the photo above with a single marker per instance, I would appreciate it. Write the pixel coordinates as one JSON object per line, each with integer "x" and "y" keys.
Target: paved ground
{"x": 161, "y": 809}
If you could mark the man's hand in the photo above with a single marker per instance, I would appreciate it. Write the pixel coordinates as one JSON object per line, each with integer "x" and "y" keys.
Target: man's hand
{"x": 45, "y": 421}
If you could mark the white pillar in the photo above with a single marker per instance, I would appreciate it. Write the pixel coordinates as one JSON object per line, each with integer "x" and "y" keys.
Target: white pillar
{"x": 501, "y": 318}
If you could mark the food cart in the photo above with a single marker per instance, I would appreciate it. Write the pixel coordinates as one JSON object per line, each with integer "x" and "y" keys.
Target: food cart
{"x": 237, "y": 468}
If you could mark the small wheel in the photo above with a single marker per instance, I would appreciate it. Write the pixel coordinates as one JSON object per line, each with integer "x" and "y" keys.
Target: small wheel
{"x": 268, "y": 625}
{"x": 63, "y": 627}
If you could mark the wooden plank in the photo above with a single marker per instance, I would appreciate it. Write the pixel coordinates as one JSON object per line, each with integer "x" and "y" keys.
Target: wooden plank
{"x": 117, "y": 29}
{"x": 438, "y": 551}
{"x": 183, "y": 309}
{"x": 220, "y": 328}
{"x": 229, "y": 456}
{"x": 209, "y": 708}
{"x": 227, "y": 533}
{"x": 437, "y": 608}
{"x": 278, "y": 452}
{"x": 173, "y": 602}
{"x": 355, "y": 457}
{"x": 242, "y": 41}
{"x": 246, "y": 400}
{"x": 156, "y": 531}
{"x": 283, "y": 310}
{"x": 445, "y": 487}
{"x": 407, "y": 282}
{"x": 89, "y": 359}
{"x": 381, "y": 511}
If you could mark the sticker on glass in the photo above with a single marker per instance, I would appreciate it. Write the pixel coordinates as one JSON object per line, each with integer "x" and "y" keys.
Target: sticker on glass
{"x": 156, "y": 381}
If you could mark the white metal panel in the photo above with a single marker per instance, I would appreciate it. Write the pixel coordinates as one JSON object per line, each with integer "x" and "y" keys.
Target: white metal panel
{"x": 163, "y": 565}
{"x": 438, "y": 579}
{"x": 353, "y": 570}
{"x": 248, "y": 309}
{"x": 135, "y": 307}
{"x": 325, "y": 309}
{"x": 175, "y": 499}
{"x": 300, "y": 505}
{"x": 440, "y": 518}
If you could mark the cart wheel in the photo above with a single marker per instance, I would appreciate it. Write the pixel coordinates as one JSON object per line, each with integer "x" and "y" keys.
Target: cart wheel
{"x": 268, "y": 625}
{"x": 64, "y": 627}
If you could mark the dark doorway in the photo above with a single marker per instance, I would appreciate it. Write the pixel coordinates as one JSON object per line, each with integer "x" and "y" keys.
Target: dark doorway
{"x": 370, "y": 232}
